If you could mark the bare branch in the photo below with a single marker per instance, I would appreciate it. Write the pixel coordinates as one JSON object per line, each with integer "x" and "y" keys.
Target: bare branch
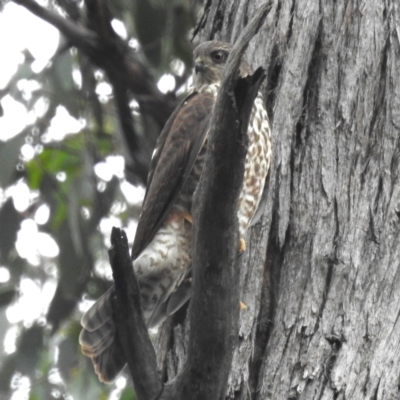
{"x": 131, "y": 328}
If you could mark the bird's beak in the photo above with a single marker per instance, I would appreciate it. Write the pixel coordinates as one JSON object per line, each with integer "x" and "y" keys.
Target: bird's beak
{"x": 198, "y": 65}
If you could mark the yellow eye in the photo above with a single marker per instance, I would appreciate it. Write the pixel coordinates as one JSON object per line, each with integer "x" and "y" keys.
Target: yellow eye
{"x": 218, "y": 56}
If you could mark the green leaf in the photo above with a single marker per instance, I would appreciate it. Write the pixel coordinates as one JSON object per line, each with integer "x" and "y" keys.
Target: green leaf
{"x": 33, "y": 396}
{"x": 54, "y": 161}
{"x": 34, "y": 174}
{"x": 75, "y": 142}
{"x": 104, "y": 146}
{"x": 59, "y": 214}
{"x": 128, "y": 394}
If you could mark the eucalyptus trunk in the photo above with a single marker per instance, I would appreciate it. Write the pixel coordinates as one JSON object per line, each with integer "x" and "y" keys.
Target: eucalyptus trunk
{"x": 320, "y": 278}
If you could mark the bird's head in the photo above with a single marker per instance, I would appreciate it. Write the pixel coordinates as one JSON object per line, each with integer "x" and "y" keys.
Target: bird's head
{"x": 209, "y": 63}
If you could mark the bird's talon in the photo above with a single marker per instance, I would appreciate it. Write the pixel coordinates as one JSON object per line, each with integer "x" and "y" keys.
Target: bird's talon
{"x": 242, "y": 306}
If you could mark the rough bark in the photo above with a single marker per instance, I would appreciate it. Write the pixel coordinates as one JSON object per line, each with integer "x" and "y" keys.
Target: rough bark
{"x": 321, "y": 276}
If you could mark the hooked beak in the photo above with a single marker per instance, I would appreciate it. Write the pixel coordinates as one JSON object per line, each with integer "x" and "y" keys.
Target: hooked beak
{"x": 198, "y": 66}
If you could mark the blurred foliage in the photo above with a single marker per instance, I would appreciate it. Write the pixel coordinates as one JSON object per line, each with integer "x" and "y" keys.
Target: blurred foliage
{"x": 56, "y": 172}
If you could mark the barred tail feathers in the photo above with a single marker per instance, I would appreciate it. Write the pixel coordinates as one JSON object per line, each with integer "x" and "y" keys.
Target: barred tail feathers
{"x": 98, "y": 339}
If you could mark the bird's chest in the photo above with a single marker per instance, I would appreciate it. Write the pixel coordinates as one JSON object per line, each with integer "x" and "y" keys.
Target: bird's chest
{"x": 256, "y": 168}
{"x": 256, "y": 164}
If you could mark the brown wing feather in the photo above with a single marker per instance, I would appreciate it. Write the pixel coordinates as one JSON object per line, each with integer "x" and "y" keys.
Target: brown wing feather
{"x": 162, "y": 139}
{"x": 176, "y": 151}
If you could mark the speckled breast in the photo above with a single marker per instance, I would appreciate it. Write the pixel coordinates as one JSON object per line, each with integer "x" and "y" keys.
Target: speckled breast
{"x": 256, "y": 165}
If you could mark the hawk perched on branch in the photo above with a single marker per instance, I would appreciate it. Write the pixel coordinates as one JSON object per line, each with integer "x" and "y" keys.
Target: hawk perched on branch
{"x": 162, "y": 247}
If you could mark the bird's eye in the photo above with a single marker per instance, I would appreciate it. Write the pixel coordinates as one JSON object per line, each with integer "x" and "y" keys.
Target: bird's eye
{"x": 218, "y": 56}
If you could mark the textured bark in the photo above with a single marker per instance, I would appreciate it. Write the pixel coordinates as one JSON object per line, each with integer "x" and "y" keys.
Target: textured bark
{"x": 321, "y": 276}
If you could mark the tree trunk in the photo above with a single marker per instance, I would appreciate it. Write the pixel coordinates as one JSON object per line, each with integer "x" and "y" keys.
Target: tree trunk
{"x": 320, "y": 279}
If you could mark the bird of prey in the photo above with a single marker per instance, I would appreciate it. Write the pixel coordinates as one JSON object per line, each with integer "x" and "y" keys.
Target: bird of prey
{"x": 161, "y": 251}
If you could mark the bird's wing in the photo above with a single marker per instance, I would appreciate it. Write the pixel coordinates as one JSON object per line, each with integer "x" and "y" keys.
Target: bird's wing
{"x": 176, "y": 151}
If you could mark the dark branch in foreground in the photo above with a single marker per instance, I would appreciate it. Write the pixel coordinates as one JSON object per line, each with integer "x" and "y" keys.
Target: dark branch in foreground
{"x": 215, "y": 301}
{"x": 128, "y": 316}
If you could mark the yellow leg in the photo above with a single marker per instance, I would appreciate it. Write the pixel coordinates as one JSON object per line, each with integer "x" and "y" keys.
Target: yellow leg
{"x": 242, "y": 306}
{"x": 242, "y": 245}
{"x": 187, "y": 217}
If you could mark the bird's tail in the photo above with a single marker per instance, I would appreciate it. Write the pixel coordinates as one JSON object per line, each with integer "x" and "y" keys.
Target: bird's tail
{"x": 98, "y": 339}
